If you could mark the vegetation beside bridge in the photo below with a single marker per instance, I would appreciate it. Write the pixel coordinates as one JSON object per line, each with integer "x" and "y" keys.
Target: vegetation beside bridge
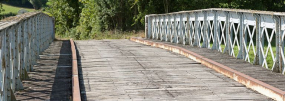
{"x": 84, "y": 19}
{"x": 89, "y": 19}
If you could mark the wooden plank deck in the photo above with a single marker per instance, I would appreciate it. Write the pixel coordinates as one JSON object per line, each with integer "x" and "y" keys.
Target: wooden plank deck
{"x": 51, "y": 78}
{"x": 256, "y": 71}
{"x": 125, "y": 70}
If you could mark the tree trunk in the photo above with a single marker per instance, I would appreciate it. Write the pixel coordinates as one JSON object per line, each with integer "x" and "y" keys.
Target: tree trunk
{"x": 165, "y": 3}
{"x": 120, "y": 16}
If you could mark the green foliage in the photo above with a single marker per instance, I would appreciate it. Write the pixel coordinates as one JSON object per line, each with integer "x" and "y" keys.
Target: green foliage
{"x": 36, "y": 4}
{"x": 1, "y": 8}
{"x": 85, "y": 18}
{"x": 101, "y": 15}
{"x": 115, "y": 34}
{"x": 66, "y": 13}
{"x": 12, "y": 9}
{"x": 8, "y": 10}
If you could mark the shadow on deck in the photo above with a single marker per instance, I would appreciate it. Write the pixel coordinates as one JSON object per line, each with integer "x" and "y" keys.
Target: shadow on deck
{"x": 81, "y": 80}
{"x": 51, "y": 77}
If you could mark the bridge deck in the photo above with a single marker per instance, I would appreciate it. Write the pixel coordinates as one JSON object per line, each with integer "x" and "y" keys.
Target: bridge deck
{"x": 125, "y": 70}
{"x": 256, "y": 71}
{"x": 51, "y": 78}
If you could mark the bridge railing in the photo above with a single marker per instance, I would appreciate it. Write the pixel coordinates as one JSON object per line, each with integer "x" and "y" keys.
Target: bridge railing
{"x": 22, "y": 39}
{"x": 254, "y": 36}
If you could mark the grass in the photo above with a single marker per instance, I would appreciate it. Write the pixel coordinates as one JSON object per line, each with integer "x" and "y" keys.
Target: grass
{"x": 269, "y": 58}
{"x": 120, "y": 35}
{"x": 108, "y": 35}
{"x": 12, "y": 9}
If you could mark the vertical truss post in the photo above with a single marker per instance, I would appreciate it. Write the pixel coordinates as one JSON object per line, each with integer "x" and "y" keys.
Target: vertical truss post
{"x": 168, "y": 28}
{"x": 156, "y": 27}
{"x": 171, "y": 26}
{"x": 5, "y": 67}
{"x": 25, "y": 46}
{"x": 172, "y": 29}
{"x": 205, "y": 27}
{"x": 37, "y": 37}
{"x": 282, "y": 43}
{"x": 215, "y": 39}
{"x": 175, "y": 29}
{"x": 277, "y": 68}
{"x": 257, "y": 59}
{"x": 164, "y": 28}
{"x": 33, "y": 61}
{"x": 196, "y": 39}
{"x": 180, "y": 28}
{"x": 228, "y": 36}
{"x": 187, "y": 30}
{"x": 12, "y": 59}
{"x": 19, "y": 84}
{"x": 158, "y": 34}
{"x": 151, "y": 25}
{"x": 260, "y": 40}
{"x": 24, "y": 74}
{"x": 34, "y": 40}
{"x": 241, "y": 37}
{"x": 2, "y": 64}
{"x": 161, "y": 31}
{"x": 7, "y": 59}
{"x": 29, "y": 45}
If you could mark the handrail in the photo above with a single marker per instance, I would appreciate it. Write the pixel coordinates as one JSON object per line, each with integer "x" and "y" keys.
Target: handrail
{"x": 75, "y": 80}
{"x": 22, "y": 39}
{"x": 226, "y": 9}
{"x": 251, "y": 35}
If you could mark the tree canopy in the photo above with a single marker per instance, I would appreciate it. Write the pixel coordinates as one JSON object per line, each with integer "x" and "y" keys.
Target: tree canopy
{"x": 84, "y": 18}
{"x": 36, "y": 4}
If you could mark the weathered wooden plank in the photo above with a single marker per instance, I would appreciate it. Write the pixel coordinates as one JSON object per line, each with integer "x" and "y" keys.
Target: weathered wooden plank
{"x": 255, "y": 71}
{"x": 124, "y": 70}
{"x": 51, "y": 78}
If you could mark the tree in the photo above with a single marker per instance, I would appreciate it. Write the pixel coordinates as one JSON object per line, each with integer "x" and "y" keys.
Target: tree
{"x": 66, "y": 13}
{"x": 37, "y": 4}
{"x": 86, "y": 18}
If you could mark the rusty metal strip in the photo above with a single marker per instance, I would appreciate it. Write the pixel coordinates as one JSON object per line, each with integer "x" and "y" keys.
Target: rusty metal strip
{"x": 75, "y": 80}
{"x": 246, "y": 80}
